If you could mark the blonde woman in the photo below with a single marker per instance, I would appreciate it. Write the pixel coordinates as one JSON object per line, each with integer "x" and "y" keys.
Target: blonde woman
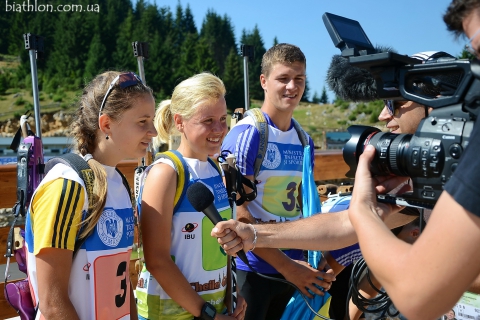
{"x": 185, "y": 274}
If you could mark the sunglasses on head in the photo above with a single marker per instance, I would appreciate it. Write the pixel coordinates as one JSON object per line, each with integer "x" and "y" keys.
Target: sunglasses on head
{"x": 124, "y": 80}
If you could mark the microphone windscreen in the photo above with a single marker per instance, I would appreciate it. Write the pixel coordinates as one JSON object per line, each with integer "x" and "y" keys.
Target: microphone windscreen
{"x": 199, "y": 196}
{"x": 351, "y": 83}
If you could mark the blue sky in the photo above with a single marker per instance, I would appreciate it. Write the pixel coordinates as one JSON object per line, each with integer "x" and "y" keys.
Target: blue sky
{"x": 406, "y": 25}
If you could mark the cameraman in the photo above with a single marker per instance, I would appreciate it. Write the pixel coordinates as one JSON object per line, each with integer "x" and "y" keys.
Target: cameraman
{"x": 431, "y": 264}
{"x": 400, "y": 116}
{"x": 457, "y": 214}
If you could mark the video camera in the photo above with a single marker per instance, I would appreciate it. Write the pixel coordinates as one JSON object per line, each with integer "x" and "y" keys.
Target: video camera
{"x": 431, "y": 155}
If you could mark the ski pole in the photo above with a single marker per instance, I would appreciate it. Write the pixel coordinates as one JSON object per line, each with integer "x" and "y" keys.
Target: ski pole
{"x": 140, "y": 51}
{"x": 230, "y": 170}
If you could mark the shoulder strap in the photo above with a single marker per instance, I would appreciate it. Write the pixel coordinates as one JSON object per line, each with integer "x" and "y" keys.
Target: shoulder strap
{"x": 302, "y": 135}
{"x": 125, "y": 183}
{"x": 262, "y": 128}
{"x": 183, "y": 174}
{"x": 215, "y": 165}
{"x": 81, "y": 167}
{"x": 77, "y": 163}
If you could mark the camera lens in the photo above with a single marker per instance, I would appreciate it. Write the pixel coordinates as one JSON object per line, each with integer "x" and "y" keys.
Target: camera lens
{"x": 391, "y": 151}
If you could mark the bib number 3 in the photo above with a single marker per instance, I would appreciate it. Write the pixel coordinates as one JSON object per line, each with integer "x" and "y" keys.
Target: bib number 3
{"x": 112, "y": 287}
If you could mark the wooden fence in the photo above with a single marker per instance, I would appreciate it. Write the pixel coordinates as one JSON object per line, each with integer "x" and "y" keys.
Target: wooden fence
{"x": 329, "y": 165}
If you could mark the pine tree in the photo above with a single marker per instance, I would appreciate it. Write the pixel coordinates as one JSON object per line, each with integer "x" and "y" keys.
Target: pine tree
{"x": 204, "y": 58}
{"x": 4, "y": 34}
{"x": 96, "y": 58}
{"x": 465, "y": 54}
{"x": 72, "y": 37}
{"x": 324, "y": 97}
{"x": 109, "y": 26}
{"x": 316, "y": 98}
{"x": 123, "y": 57}
{"x": 306, "y": 93}
{"x": 233, "y": 80}
{"x": 275, "y": 41}
{"x": 218, "y": 34}
{"x": 188, "y": 62}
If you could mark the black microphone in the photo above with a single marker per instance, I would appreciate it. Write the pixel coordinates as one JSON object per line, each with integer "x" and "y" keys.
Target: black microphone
{"x": 352, "y": 83}
{"x": 202, "y": 200}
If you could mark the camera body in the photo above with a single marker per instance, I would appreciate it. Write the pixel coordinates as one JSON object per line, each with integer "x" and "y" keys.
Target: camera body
{"x": 430, "y": 156}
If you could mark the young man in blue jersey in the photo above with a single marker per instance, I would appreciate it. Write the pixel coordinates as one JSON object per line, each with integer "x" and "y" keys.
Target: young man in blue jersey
{"x": 283, "y": 81}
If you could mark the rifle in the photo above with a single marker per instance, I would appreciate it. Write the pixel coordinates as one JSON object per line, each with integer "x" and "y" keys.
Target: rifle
{"x": 30, "y": 161}
{"x": 140, "y": 51}
{"x": 30, "y": 171}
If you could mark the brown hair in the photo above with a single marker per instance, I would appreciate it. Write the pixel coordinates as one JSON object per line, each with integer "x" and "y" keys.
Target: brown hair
{"x": 456, "y": 12}
{"x": 283, "y": 53}
{"x": 84, "y": 129}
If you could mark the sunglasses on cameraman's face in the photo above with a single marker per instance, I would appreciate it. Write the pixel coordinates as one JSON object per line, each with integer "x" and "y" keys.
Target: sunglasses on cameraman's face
{"x": 124, "y": 80}
{"x": 393, "y": 106}
{"x": 470, "y": 47}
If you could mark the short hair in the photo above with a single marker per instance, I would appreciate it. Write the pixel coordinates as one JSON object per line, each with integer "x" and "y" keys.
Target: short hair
{"x": 283, "y": 53}
{"x": 414, "y": 223}
{"x": 456, "y": 12}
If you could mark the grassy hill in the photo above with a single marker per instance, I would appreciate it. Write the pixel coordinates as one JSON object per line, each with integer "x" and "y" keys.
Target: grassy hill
{"x": 317, "y": 119}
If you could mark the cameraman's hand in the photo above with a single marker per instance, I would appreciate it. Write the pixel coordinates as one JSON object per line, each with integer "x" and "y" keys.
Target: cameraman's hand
{"x": 364, "y": 197}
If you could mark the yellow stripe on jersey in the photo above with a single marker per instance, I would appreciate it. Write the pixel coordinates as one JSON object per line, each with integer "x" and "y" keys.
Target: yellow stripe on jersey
{"x": 57, "y": 212}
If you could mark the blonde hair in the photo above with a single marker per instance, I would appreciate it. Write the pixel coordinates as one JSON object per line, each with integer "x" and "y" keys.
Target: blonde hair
{"x": 186, "y": 97}
{"x": 84, "y": 130}
{"x": 283, "y": 53}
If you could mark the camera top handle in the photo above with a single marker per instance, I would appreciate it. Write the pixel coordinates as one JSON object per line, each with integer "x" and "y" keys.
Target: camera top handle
{"x": 395, "y": 74}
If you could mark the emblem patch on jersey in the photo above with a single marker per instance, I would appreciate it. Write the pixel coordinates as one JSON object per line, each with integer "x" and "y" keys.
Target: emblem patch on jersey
{"x": 110, "y": 228}
{"x": 272, "y": 157}
{"x": 189, "y": 227}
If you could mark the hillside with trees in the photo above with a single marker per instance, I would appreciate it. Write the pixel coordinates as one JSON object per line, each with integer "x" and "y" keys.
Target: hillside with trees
{"x": 80, "y": 45}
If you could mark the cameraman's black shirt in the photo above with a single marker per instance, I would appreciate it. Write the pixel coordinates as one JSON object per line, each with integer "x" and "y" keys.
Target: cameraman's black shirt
{"x": 464, "y": 186}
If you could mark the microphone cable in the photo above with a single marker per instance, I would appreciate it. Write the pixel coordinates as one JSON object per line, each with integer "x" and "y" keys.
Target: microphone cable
{"x": 379, "y": 304}
{"x": 238, "y": 181}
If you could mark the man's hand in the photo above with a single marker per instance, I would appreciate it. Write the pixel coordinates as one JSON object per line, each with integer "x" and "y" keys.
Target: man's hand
{"x": 234, "y": 236}
{"x": 301, "y": 274}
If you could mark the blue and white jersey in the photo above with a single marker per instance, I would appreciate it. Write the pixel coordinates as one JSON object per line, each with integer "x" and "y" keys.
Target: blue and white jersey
{"x": 278, "y": 180}
{"x": 199, "y": 257}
